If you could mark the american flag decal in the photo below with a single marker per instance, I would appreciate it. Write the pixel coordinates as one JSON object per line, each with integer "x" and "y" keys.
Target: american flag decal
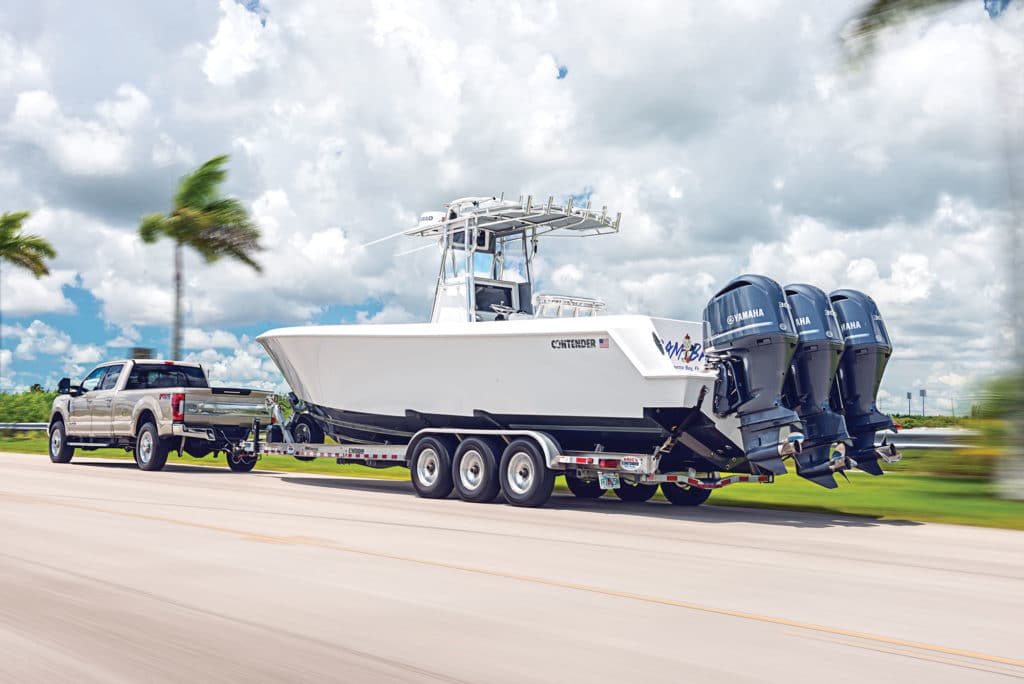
{"x": 602, "y": 342}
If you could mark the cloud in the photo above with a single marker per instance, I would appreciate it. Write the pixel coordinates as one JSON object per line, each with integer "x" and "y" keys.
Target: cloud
{"x": 38, "y": 338}
{"x": 194, "y": 338}
{"x": 243, "y": 43}
{"x": 755, "y": 151}
{"x": 86, "y": 147}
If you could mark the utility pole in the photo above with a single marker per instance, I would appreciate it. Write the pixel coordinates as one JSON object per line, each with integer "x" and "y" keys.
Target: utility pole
{"x": 923, "y": 392}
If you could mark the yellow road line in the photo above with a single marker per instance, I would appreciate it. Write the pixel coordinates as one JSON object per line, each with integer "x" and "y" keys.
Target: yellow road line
{"x": 305, "y": 541}
{"x": 913, "y": 654}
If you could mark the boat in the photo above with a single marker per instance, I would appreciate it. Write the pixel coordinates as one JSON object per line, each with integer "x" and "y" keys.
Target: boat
{"x": 719, "y": 395}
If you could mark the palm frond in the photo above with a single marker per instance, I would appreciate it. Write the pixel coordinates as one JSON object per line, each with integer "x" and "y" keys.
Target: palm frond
{"x": 153, "y": 227}
{"x": 859, "y": 35}
{"x": 25, "y": 251}
{"x": 202, "y": 185}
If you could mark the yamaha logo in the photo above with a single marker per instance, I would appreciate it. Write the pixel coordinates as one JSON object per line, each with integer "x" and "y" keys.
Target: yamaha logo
{"x": 801, "y": 321}
{"x": 850, "y": 325}
{"x": 747, "y": 315}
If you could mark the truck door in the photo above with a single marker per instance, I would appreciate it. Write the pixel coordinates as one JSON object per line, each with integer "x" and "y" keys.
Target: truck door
{"x": 79, "y": 409}
{"x": 101, "y": 402}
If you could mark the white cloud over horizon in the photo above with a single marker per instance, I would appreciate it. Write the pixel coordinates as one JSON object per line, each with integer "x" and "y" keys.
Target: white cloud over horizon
{"x": 730, "y": 135}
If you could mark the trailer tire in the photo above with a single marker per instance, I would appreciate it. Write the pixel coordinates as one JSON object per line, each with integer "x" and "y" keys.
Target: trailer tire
{"x": 239, "y": 463}
{"x": 60, "y": 452}
{"x": 431, "y": 468}
{"x": 150, "y": 450}
{"x": 635, "y": 493}
{"x": 583, "y": 489}
{"x": 684, "y": 495}
{"x": 306, "y": 431}
{"x": 525, "y": 476}
{"x": 475, "y": 470}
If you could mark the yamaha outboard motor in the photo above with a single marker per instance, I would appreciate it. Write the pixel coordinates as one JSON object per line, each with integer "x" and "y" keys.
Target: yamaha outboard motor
{"x": 808, "y": 387}
{"x": 749, "y": 336}
{"x": 860, "y": 373}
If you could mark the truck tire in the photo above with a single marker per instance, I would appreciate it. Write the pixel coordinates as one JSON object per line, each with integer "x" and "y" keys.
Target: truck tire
{"x": 306, "y": 431}
{"x": 60, "y": 452}
{"x": 583, "y": 489}
{"x": 240, "y": 463}
{"x": 525, "y": 476}
{"x": 150, "y": 450}
{"x": 431, "y": 468}
{"x": 635, "y": 493}
{"x": 684, "y": 495}
{"x": 475, "y": 471}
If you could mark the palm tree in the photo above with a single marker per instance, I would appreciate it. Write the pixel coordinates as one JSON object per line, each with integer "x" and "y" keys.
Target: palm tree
{"x": 27, "y": 251}
{"x": 202, "y": 219}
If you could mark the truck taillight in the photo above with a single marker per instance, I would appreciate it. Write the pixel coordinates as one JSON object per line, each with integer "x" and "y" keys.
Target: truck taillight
{"x": 178, "y": 407}
{"x": 607, "y": 463}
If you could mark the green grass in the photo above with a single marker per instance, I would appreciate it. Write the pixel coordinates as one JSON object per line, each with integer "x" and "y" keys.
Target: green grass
{"x": 899, "y": 495}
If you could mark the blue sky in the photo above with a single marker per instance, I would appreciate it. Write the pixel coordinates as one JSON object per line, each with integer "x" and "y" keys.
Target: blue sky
{"x": 730, "y": 135}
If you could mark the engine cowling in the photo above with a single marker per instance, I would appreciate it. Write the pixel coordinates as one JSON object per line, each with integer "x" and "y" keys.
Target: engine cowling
{"x": 808, "y": 387}
{"x": 750, "y": 338}
{"x": 861, "y": 368}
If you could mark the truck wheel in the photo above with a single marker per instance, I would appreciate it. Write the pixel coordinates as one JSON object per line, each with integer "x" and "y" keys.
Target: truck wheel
{"x": 306, "y": 431}
{"x": 684, "y": 495}
{"x": 150, "y": 451}
{"x": 583, "y": 489}
{"x": 475, "y": 471}
{"x": 60, "y": 452}
{"x": 431, "y": 468}
{"x": 240, "y": 463}
{"x": 635, "y": 493}
{"x": 525, "y": 477}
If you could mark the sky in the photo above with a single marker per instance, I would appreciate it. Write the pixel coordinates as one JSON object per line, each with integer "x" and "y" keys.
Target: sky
{"x": 732, "y": 136}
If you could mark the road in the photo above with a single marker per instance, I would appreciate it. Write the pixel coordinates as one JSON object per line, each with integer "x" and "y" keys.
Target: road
{"x": 110, "y": 574}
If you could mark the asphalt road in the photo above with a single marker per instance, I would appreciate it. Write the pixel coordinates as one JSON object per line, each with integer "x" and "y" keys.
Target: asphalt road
{"x": 110, "y": 574}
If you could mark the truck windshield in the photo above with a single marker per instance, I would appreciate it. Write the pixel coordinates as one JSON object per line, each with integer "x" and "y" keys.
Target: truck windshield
{"x": 156, "y": 376}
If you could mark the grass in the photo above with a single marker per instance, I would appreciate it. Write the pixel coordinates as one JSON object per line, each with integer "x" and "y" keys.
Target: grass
{"x": 900, "y": 495}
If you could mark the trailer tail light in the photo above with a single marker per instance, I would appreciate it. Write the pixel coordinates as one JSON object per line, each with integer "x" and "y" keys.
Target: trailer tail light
{"x": 178, "y": 408}
{"x": 607, "y": 463}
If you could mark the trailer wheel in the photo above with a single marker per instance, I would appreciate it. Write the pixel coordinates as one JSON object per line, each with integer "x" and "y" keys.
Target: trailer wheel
{"x": 583, "y": 489}
{"x": 431, "y": 468}
{"x": 475, "y": 471}
{"x": 150, "y": 450}
{"x": 240, "y": 463}
{"x": 306, "y": 431}
{"x": 684, "y": 495}
{"x": 635, "y": 493}
{"x": 525, "y": 477}
{"x": 60, "y": 452}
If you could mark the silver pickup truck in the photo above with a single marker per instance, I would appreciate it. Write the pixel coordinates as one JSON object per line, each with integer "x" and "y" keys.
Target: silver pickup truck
{"x": 152, "y": 408}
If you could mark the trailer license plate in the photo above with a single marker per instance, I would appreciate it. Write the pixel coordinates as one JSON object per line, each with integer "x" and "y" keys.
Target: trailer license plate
{"x": 608, "y": 480}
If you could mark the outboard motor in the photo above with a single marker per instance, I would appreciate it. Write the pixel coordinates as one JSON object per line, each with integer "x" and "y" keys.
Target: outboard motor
{"x": 860, "y": 373}
{"x": 808, "y": 386}
{"x": 750, "y": 337}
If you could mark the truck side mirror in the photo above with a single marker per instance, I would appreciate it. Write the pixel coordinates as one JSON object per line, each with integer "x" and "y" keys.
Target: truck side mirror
{"x": 64, "y": 386}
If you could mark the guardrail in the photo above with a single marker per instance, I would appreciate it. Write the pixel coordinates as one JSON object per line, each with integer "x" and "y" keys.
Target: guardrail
{"x": 23, "y": 426}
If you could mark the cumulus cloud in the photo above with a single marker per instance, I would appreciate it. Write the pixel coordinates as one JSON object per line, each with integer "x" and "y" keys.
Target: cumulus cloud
{"x": 195, "y": 338}
{"x": 756, "y": 151}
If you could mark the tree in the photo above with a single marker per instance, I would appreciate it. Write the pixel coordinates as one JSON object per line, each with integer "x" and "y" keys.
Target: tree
{"x": 27, "y": 251}
{"x": 215, "y": 226}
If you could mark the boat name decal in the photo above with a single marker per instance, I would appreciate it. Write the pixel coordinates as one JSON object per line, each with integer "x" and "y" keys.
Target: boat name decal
{"x": 580, "y": 343}
{"x": 741, "y": 316}
{"x": 851, "y": 325}
{"x": 688, "y": 351}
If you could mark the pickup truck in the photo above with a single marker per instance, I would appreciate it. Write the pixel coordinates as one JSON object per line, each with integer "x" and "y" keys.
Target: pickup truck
{"x": 151, "y": 408}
